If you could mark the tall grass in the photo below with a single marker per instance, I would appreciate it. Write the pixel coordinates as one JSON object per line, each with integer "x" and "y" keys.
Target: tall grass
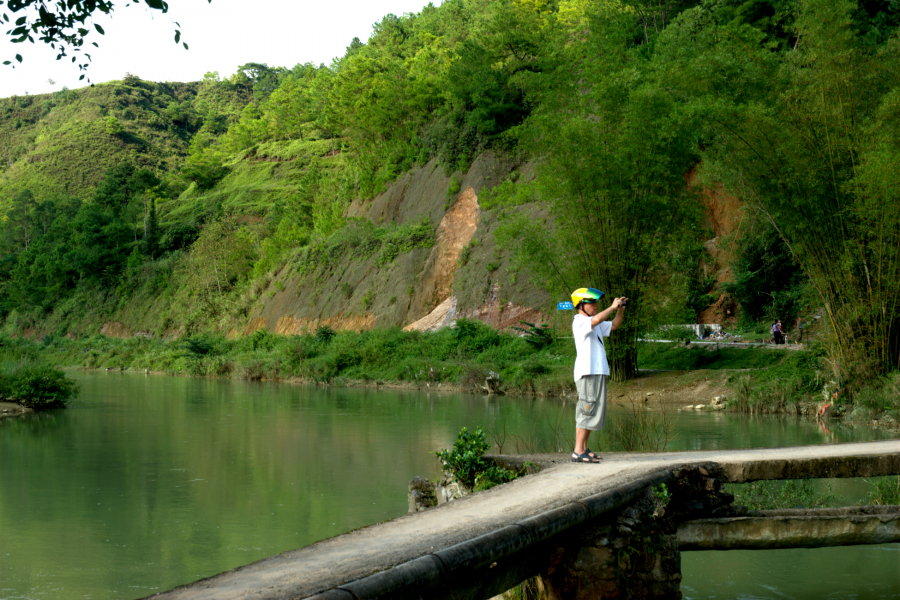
{"x": 885, "y": 491}
{"x": 776, "y": 495}
{"x": 640, "y": 430}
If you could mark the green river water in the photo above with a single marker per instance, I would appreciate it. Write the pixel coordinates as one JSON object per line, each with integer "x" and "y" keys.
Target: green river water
{"x": 149, "y": 482}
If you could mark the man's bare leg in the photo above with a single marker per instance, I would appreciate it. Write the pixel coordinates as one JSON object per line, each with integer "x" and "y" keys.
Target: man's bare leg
{"x": 581, "y": 438}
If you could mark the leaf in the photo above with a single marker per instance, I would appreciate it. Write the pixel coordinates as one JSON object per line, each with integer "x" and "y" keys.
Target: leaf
{"x": 6, "y": 62}
{"x": 157, "y": 4}
{"x": 80, "y": 78}
{"x": 177, "y": 36}
{"x": 20, "y": 20}
{"x": 19, "y": 57}
{"x": 95, "y": 44}
{"x": 185, "y": 45}
{"x": 100, "y": 29}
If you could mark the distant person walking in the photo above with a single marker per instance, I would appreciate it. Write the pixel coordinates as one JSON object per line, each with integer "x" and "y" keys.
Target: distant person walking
{"x": 777, "y": 332}
{"x": 589, "y": 327}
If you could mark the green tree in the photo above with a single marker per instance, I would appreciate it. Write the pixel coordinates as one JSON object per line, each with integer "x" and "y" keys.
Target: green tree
{"x": 806, "y": 138}
{"x": 64, "y": 25}
{"x": 223, "y": 254}
{"x": 17, "y": 225}
{"x": 612, "y": 149}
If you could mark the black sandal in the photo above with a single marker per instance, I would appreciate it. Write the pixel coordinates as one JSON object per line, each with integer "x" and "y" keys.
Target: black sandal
{"x": 585, "y": 458}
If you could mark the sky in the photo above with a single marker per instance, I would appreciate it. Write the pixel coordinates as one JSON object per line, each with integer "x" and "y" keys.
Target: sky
{"x": 222, "y": 35}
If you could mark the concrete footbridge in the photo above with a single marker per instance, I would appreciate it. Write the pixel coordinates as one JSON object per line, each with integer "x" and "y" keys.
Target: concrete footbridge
{"x": 567, "y": 523}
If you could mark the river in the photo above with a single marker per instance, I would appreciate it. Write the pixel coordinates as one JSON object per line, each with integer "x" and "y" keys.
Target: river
{"x": 149, "y": 482}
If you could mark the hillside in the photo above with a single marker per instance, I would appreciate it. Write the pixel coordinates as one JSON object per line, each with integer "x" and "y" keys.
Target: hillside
{"x": 65, "y": 142}
{"x": 398, "y": 259}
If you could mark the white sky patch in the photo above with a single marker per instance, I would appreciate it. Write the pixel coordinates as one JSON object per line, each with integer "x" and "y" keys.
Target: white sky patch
{"x": 222, "y": 36}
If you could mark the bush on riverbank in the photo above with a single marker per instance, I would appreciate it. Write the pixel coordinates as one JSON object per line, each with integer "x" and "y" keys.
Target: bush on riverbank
{"x": 31, "y": 381}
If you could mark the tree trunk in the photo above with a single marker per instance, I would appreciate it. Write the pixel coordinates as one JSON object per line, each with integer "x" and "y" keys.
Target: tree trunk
{"x": 621, "y": 352}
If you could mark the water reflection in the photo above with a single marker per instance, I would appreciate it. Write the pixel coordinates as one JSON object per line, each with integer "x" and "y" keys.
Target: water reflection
{"x": 151, "y": 482}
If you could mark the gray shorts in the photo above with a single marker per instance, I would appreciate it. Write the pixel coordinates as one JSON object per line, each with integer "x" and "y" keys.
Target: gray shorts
{"x": 590, "y": 412}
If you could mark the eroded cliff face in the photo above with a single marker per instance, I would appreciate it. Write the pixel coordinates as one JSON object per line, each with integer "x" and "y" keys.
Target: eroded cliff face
{"x": 724, "y": 214}
{"x": 463, "y": 275}
{"x": 417, "y": 289}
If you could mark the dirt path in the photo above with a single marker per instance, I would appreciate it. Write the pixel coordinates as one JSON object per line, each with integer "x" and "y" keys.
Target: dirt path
{"x": 673, "y": 387}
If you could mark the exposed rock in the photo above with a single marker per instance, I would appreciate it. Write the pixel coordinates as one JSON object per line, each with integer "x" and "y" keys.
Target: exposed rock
{"x": 442, "y": 316}
{"x": 12, "y": 409}
{"x": 449, "y": 491}
{"x": 422, "y": 494}
{"x": 115, "y": 329}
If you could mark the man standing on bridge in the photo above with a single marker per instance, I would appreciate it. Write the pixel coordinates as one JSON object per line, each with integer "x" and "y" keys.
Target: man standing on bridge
{"x": 589, "y": 327}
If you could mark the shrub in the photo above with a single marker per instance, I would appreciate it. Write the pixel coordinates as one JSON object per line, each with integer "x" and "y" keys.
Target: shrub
{"x": 467, "y": 464}
{"x": 537, "y": 336}
{"x": 325, "y": 334}
{"x": 36, "y": 385}
{"x": 200, "y": 346}
{"x": 475, "y": 336}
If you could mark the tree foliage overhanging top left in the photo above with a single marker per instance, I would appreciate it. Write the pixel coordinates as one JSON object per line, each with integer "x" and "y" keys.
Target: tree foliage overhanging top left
{"x": 63, "y": 24}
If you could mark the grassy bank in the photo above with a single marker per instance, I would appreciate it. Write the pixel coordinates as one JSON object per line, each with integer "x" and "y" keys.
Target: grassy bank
{"x": 470, "y": 357}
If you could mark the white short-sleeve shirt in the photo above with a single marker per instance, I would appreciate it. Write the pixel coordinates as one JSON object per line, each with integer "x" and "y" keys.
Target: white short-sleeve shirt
{"x": 590, "y": 347}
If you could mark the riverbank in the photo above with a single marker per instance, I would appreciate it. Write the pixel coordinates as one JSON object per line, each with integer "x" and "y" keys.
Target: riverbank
{"x": 474, "y": 358}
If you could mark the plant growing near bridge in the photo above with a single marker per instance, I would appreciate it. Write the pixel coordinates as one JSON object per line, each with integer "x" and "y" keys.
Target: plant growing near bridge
{"x": 661, "y": 498}
{"x": 467, "y": 464}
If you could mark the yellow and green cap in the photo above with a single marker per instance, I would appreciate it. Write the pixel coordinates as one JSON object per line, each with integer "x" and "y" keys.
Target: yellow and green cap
{"x": 586, "y": 296}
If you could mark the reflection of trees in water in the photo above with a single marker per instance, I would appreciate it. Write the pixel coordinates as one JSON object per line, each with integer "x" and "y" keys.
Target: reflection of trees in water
{"x": 36, "y": 423}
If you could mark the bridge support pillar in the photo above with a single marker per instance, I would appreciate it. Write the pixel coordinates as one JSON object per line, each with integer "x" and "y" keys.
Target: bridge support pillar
{"x": 601, "y": 566}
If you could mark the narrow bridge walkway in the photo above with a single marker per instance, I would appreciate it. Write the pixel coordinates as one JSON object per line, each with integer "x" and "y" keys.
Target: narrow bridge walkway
{"x": 435, "y": 547}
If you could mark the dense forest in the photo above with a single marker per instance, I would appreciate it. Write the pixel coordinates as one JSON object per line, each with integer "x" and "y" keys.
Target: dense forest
{"x": 175, "y": 200}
